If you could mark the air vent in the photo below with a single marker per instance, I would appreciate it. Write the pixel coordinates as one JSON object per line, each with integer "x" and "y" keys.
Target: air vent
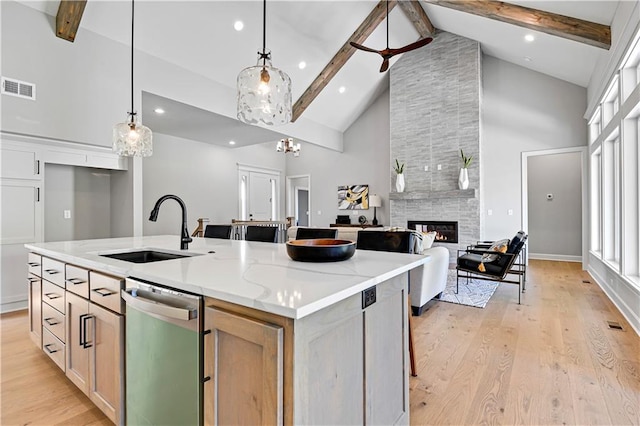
{"x": 18, "y": 88}
{"x": 614, "y": 325}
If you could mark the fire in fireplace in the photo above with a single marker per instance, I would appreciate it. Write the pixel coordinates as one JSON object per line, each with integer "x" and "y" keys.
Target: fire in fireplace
{"x": 446, "y": 232}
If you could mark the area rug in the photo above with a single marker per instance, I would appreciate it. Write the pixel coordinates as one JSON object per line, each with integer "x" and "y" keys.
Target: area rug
{"x": 474, "y": 293}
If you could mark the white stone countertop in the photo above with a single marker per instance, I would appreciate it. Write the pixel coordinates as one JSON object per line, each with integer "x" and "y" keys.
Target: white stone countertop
{"x": 254, "y": 274}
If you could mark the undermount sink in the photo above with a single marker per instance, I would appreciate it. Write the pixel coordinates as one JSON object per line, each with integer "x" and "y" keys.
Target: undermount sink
{"x": 145, "y": 256}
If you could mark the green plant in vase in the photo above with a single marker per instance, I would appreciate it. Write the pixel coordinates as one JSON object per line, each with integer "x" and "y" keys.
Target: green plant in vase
{"x": 463, "y": 178}
{"x": 399, "y": 169}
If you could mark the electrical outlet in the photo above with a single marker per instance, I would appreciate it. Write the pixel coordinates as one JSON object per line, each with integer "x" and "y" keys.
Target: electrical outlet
{"x": 426, "y": 168}
{"x": 368, "y": 297}
{"x": 319, "y": 212}
{"x": 67, "y": 214}
{"x": 489, "y": 212}
{"x": 510, "y": 212}
{"x": 439, "y": 166}
{"x": 354, "y": 213}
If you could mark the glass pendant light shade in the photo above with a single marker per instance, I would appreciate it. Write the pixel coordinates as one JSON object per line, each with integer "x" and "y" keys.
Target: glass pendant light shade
{"x": 132, "y": 139}
{"x": 264, "y": 94}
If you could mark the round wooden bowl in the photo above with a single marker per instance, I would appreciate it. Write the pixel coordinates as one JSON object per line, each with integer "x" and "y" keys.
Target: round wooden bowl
{"x": 320, "y": 250}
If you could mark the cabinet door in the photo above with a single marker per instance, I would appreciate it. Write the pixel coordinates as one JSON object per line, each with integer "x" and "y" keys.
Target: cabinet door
{"x": 106, "y": 388}
{"x": 21, "y": 211}
{"x": 20, "y": 164}
{"x": 243, "y": 358}
{"x": 35, "y": 309}
{"x": 77, "y": 324}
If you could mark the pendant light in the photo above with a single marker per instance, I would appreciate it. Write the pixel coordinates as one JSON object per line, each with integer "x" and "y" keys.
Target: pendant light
{"x": 264, "y": 92}
{"x": 131, "y": 138}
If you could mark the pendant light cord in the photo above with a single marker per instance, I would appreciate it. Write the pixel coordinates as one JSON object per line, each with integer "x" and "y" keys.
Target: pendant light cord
{"x": 132, "y": 28}
{"x": 264, "y": 33}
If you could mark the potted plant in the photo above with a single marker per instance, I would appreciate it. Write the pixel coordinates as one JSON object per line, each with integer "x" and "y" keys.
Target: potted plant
{"x": 463, "y": 178}
{"x": 399, "y": 169}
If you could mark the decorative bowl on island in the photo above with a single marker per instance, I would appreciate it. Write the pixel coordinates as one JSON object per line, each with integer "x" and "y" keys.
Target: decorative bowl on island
{"x": 320, "y": 250}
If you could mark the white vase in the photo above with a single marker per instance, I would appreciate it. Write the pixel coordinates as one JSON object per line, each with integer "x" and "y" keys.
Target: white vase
{"x": 400, "y": 182}
{"x": 463, "y": 179}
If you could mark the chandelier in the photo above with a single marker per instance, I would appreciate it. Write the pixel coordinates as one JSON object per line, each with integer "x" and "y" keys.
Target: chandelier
{"x": 287, "y": 145}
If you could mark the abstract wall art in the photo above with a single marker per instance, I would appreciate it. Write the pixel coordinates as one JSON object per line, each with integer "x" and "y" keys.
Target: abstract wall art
{"x": 353, "y": 197}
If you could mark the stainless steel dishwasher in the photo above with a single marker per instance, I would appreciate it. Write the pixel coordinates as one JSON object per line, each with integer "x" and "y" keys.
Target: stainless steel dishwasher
{"x": 163, "y": 353}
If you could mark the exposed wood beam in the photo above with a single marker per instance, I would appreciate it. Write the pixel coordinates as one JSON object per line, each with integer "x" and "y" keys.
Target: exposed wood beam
{"x": 418, "y": 17}
{"x": 550, "y": 23}
{"x": 68, "y": 18}
{"x": 359, "y": 36}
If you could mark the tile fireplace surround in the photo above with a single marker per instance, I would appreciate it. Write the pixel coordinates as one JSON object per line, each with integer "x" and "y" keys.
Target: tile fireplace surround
{"x": 435, "y": 96}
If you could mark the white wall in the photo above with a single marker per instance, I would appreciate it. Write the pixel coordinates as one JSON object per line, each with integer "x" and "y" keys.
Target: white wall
{"x": 522, "y": 110}
{"x": 205, "y": 177}
{"x": 555, "y": 225}
{"x": 365, "y": 160}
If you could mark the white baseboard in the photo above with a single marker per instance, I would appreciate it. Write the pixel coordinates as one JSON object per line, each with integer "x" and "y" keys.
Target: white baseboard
{"x": 558, "y": 257}
{"x": 13, "y": 306}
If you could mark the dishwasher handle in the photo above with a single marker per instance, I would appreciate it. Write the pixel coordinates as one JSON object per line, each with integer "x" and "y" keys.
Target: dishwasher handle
{"x": 157, "y": 308}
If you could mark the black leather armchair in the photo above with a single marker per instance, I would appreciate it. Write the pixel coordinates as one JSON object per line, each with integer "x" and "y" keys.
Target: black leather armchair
{"x": 483, "y": 264}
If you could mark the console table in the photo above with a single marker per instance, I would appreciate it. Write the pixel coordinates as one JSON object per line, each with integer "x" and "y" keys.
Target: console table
{"x": 353, "y": 225}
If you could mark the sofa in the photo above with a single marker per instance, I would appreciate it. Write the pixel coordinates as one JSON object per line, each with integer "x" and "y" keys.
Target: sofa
{"x": 426, "y": 282}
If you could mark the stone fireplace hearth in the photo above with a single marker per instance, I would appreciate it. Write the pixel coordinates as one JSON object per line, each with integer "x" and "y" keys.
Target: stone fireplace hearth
{"x": 435, "y": 96}
{"x": 446, "y": 231}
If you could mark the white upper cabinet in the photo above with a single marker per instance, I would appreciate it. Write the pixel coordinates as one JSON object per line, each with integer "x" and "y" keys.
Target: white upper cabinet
{"x": 20, "y": 163}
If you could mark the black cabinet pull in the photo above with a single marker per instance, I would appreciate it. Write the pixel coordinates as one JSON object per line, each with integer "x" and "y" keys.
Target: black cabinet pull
{"x": 52, "y": 296}
{"x": 49, "y": 350}
{"x": 103, "y": 291}
{"x": 84, "y": 342}
{"x": 51, "y": 271}
{"x": 50, "y": 321}
{"x": 33, "y": 264}
{"x": 76, "y": 281}
{"x": 32, "y": 280}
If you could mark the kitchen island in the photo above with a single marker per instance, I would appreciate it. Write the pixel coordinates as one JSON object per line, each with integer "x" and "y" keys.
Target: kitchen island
{"x": 326, "y": 355}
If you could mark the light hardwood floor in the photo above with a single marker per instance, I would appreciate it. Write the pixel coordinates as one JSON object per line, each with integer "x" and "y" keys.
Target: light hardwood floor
{"x": 551, "y": 360}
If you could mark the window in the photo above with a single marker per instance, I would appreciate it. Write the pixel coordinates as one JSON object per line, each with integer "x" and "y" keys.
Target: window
{"x": 596, "y": 203}
{"x": 611, "y": 200}
{"x": 595, "y": 126}
{"x": 611, "y": 103}
{"x": 631, "y": 69}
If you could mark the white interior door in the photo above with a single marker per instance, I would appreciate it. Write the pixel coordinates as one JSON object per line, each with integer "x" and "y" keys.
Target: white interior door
{"x": 261, "y": 196}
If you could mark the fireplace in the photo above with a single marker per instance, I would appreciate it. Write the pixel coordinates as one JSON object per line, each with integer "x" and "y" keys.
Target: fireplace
{"x": 446, "y": 232}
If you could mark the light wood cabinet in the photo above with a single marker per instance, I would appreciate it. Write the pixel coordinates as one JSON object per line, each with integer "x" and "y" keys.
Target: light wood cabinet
{"x": 35, "y": 309}
{"x": 95, "y": 354}
{"x": 244, "y": 361}
{"x": 344, "y": 364}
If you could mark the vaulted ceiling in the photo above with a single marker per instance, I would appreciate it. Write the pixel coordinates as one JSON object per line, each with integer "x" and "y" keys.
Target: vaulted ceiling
{"x": 200, "y": 36}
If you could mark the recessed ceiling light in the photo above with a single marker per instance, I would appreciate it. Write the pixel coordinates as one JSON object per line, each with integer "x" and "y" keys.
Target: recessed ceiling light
{"x": 342, "y": 89}
{"x": 302, "y": 65}
{"x": 232, "y": 142}
{"x": 529, "y": 38}
{"x": 158, "y": 111}
{"x": 527, "y": 58}
{"x": 238, "y": 25}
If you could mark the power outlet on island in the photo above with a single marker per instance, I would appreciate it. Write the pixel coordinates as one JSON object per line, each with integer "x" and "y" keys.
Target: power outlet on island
{"x": 368, "y": 297}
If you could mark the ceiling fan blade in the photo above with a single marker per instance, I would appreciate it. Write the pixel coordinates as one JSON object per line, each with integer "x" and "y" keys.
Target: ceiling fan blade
{"x": 361, "y": 47}
{"x": 412, "y": 46}
{"x": 385, "y": 65}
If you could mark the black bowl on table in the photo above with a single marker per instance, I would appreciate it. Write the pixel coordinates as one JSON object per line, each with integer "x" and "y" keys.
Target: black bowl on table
{"x": 320, "y": 250}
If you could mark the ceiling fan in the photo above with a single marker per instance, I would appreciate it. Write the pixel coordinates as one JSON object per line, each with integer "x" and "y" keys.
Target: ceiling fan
{"x": 389, "y": 53}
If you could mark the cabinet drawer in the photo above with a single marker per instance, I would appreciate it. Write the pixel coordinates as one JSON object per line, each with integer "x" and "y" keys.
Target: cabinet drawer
{"x": 77, "y": 280}
{"x": 53, "y": 321}
{"x": 53, "y": 295}
{"x": 53, "y": 347}
{"x": 35, "y": 264}
{"x": 53, "y": 271}
{"x": 105, "y": 291}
